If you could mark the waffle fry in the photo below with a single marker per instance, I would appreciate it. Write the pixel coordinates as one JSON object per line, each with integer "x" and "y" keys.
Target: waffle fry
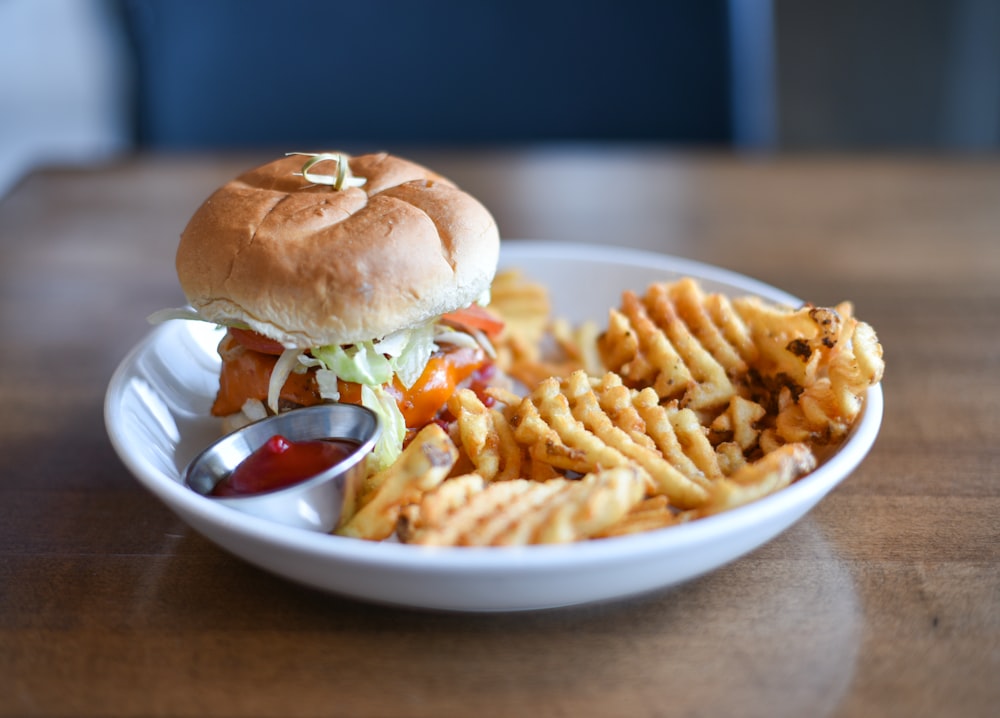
{"x": 739, "y": 421}
{"x": 486, "y": 437}
{"x": 758, "y": 371}
{"x": 524, "y": 306}
{"x": 707, "y": 403}
{"x": 469, "y": 511}
{"x": 669, "y": 340}
{"x": 652, "y": 513}
{"x": 753, "y": 481}
{"x": 563, "y": 424}
{"x": 535, "y": 346}
{"x": 826, "y": 408}
{"x": 424, "y": 464}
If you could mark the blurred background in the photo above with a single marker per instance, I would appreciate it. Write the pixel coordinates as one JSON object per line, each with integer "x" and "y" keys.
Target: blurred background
{"x": 88, "y": 80}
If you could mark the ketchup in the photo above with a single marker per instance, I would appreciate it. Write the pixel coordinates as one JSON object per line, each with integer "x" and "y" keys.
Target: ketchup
{"x": 281, "y": 462}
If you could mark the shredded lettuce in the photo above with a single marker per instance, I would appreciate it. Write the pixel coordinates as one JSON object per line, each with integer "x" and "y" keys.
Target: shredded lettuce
{"x": 360, "y": 363}
{"x": 404, "y": 353}
{"x": 283, "y": 368}
{"x": 326, "y": 382}
{"x": 408, "y": 362}
{"x": 163, "y": 315}
{"x": 390, "y": 443}
{"x": 372, "y": 364}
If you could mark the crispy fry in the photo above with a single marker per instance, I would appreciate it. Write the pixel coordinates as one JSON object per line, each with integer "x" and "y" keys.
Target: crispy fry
{"x": 653, "y": 513}
{"x": 738, "y": 422}
{"x": 654, "y": 342}
{"x": 662, "y": 423}
{"x": 566, "y": 436}
{"x": 486, "y": 437}
{"x": 791, "y": 342}
{"x": 616, "y": 400}
{"x": 807, "y": 368}
{"x": 424, "y": 464}
{"x": 523, "y": 305}
{"x": 688, "y": 404}
{"x": 753, "y": 481}
{"x": 469, "y": 511}
{"x": 666, "y": 478}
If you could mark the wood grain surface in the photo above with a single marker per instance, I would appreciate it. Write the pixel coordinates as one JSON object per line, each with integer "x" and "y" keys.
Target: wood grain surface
{"x": 885, "y": 600}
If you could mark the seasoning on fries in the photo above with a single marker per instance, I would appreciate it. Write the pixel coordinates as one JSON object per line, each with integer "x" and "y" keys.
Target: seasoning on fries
{"x": 685, "y": 405}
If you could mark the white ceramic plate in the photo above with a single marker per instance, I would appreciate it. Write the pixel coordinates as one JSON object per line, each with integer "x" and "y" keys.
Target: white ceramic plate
{"x": 156, "y": 411}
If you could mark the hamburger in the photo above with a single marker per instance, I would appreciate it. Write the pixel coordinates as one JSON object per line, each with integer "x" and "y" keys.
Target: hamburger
{"x": 336, "y": 278}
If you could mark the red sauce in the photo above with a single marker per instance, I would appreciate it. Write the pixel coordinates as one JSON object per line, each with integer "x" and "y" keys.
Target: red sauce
{"x": 281, "y": 462}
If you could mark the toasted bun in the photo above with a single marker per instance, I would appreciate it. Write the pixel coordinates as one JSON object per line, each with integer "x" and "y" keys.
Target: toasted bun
{"x": 310, "y": 265}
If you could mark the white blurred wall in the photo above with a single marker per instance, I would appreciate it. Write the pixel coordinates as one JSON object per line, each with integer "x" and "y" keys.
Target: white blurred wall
{"x": 63, "y": 85}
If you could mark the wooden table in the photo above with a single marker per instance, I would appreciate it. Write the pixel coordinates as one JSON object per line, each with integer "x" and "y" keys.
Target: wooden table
{"x": 885, "y": 600}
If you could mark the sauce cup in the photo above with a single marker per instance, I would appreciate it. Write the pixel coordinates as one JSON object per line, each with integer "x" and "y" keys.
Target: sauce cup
{"x": 314, "y": 503}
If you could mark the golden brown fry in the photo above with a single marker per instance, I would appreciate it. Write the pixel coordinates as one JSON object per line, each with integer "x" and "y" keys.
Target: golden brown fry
{"x": 661, "y": 364}
{"x": 447, "y": 497}
{"x": 791, "y": 342}
{"x": 469, "y": 511}
{"x": 563, "y": 424}
{"x": 620, "y": 351}
{"x": 424, "y": 464}
{"x": 653, "y": 513}
{"x": 666, "y": 479}
{"x": 524, "y": 305}
{"x": 739, "y": 421}
{"x": 707, "y": 403}
{"x": 553, "y": 408}
{"x": 709, "y": 386}
{"x": 660, "y": 424}
{"x": 847, "y": 361}
{"x": 486, "y": 437}
{"x": 765, "y": 476}
{"x": 578, "y": 345}
{"x": 616, "y": 400}
{"x": 476, "y": 433}
{"x": 733, "y": 329}
{"x": 711, "y": 319}
{"x": 808, "y": 368}
{"x": 655, "y": 342}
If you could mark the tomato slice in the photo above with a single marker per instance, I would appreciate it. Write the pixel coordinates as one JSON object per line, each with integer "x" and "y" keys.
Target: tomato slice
{"x": 475, "y": 317}
{"x": 256, "y": 342}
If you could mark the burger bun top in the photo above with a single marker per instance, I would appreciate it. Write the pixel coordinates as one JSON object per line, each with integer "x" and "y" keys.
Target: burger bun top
{"x": 309, "y": 265}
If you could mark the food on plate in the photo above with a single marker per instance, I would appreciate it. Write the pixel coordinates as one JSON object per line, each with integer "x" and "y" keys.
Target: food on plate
{"x": 807, "y": 367}
{"x": 376, "y": 283}
{"x": 343, "y": 278}
{"x": 705, "y": 402}
{"x": 424, "y": 463}
{"x": 470, "y": 511}
{"x": 652, "y": 513}
{"x": 534, "y": 345}
{"x": 759, "y": 478}
{"x": 486, "y": 437}
{"x": 562, "y": 425}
